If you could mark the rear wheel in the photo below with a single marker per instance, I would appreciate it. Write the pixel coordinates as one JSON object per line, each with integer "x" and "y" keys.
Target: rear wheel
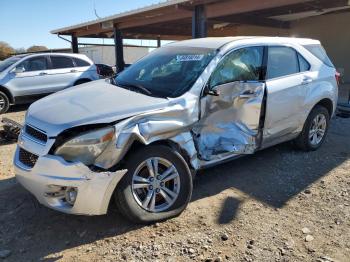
{"x": 315, "y": 129}
{"x": 4, "y": 103}
{"x": 157, "y": 186}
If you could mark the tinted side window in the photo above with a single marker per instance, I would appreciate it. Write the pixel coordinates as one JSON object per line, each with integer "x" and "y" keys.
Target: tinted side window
{"x": 303, "y": 64}
{"x": 80, "y": 62}
{"x": 241, "y": 65}
{"x": 61, "y": 62}
{"x": 34, "y": 64}
{"x": 281, "y": 61}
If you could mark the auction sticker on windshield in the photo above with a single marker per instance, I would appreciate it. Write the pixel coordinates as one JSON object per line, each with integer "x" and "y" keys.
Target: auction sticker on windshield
{"x": 185, "y": 58}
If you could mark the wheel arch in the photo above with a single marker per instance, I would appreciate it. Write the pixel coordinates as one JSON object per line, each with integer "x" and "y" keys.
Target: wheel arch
{"x": 326, "y": 103}
{"x": 136, "y": 145}
{"x": 82, "y": 80}
{"x": 8, "y": 93}
{"x": 303, "y": 140}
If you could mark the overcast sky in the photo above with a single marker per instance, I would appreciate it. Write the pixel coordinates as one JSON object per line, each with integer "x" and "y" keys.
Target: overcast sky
{"x": 28, "y": 22}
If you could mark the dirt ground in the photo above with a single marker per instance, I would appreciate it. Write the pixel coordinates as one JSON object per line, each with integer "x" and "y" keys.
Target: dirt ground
{"x": 278, "y": 205}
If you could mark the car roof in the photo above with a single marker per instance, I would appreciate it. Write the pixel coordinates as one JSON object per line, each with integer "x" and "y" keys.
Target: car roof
{"x": 53, "y": 54}
{"x": 218, "y": 42}
{"x": 20, "y": 56}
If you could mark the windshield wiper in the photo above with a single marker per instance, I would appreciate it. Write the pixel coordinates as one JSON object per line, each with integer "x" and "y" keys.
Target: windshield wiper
{"x": 136, "y": 86}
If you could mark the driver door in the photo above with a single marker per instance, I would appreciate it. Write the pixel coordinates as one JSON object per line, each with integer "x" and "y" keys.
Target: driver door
{"x": 232, "y": 105}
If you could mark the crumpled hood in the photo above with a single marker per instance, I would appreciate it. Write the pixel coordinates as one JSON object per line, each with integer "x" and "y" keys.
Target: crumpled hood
{"x": 92, "y": 103}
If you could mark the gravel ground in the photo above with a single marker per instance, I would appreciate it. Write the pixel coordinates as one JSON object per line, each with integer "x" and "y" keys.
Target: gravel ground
{"x": 277, "y": 205}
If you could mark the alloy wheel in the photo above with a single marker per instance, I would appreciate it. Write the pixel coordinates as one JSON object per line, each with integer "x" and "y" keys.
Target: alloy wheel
{"x": 2, "y": 102}
{"x": 318, "y": 129}
{"x": 155, "y": 184}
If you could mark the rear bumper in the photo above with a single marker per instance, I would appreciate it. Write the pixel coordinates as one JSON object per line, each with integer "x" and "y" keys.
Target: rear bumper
{"x": 51, "y": 175}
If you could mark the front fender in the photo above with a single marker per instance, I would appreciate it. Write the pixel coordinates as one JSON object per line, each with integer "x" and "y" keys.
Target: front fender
{"x": 172, "y": 123}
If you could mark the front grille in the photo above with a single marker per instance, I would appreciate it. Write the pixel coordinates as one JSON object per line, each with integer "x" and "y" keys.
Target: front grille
{"x": 35, "y": 133}
{"x": 26, "y": 158}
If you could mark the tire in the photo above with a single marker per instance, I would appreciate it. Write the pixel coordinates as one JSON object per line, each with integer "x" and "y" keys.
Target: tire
{"x": 4, "y": 103}
{"x": 81, "y": 81}
{"x": 129, "y": 199}
{"x": 304, "y": 141}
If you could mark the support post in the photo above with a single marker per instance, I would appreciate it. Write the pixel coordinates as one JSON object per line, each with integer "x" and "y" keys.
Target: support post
{"x": 199, "y": 22}
{"x": 74, "y": 43}
{"x": 159, "y": 44}
{"x": 119, "y": 52}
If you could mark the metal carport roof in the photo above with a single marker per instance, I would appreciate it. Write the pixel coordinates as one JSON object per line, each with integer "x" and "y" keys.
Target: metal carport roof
{"x": 173, "y": 19}
{"x": 183, "y": 19}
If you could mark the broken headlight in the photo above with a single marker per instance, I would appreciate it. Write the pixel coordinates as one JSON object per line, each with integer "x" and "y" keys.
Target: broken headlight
{"x": 86, "y": 147}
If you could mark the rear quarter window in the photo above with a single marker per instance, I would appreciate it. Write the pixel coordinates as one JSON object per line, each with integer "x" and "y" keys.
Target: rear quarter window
{"x": 80, "y": 62}
{"x": 320, "y": 53}
{"x": 303, "y": 64}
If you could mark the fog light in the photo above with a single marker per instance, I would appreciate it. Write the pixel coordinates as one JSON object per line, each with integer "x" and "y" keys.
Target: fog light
{"x": 71, "y": 195}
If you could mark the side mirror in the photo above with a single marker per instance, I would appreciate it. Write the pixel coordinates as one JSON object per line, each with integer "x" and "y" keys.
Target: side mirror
{"x": 18, "y": 70}
{"x": 211, "y": 92}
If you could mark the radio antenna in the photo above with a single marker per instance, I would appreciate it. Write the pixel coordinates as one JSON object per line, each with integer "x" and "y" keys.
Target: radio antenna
{"x": 98, "y": 17}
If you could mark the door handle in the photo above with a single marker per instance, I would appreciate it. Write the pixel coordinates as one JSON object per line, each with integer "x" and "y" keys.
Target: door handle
{"x": 42, "y": 73}
{"x": 247, "y": 94}
{"x": 73, "y": 71}
{"x": 306, "y": 80}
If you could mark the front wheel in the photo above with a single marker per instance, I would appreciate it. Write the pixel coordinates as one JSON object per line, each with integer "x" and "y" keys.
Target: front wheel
{"x": 315, "y": 129}
{"x": 4, "y": 103}
{"x": 157, "y": 186}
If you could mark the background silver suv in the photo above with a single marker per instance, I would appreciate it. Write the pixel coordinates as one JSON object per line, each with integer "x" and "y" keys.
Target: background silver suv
{"x": 24, "y": 78}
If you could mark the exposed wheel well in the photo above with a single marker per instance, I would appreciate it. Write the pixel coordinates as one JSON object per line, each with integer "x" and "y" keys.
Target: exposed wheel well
{"x": 326, "y": 103}
{"x": 82, "y": 80}
{"x": 137, "y": 145}
{"x": 8, "y": 93}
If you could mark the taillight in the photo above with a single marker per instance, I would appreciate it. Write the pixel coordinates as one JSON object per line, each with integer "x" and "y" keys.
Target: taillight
{"x": 337, "y": 77}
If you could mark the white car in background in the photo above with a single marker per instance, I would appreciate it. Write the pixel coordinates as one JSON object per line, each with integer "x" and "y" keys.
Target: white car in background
{"x": 25, "y": 78}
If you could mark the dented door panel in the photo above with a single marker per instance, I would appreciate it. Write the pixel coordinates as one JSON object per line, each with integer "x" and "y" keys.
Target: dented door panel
{"x": 229, "y": 122}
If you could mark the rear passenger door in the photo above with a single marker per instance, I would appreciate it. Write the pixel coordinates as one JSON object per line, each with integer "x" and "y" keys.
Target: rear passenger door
{"x": 63, "y": 73}
{"x": 285, "y": 85}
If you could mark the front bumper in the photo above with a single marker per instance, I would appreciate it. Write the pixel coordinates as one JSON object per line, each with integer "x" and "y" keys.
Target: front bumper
{"x": 52, "y": 173}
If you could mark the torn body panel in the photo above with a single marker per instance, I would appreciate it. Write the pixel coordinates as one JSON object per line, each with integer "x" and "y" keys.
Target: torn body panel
{"x": 229, "y": 125}
{"x": 230, "y": 121}
{"x": 51, "y": 175}
{"x": 207, "y": 128}
{"x": 173, "y": 123}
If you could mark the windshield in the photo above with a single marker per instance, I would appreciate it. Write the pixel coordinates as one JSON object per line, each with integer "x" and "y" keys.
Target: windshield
{"x": 8, "y": 62}
{"x": 167, "y": 72}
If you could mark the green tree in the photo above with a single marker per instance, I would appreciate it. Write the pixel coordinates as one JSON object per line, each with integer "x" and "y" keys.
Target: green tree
{"x": 5, "y": 50}
{"x": 20, "y": 50}
{"x": 36, "y": 48}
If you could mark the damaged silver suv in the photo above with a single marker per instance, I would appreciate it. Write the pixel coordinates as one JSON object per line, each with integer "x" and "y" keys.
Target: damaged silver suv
{"x": 140, "y": 137}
